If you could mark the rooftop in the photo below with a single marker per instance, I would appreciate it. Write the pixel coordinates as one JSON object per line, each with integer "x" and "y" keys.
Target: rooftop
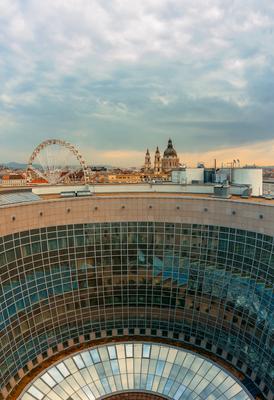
{"x": 22, "y": 195}
{"x": 159, "y": 194}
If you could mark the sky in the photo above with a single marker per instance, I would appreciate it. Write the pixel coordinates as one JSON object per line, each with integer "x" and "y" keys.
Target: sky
{"x": 115, "y": 77}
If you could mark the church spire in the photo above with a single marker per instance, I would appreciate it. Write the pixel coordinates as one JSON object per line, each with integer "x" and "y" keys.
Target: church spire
{"x": 157, "y": 162}
{"x": 147, "y": 162}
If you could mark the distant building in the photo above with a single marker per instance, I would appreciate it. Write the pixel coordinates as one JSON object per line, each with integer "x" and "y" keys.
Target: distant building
{"x": 248, "y": 176}
{"x": 157, "y": 162}
{"x": 13, "y": 180}
{"x": 125, "y": 178}
{"x": 187, "y": 176}
{"x": 39, "y": 181}
{"x": 248, "y": 180}
{"x": 162, "y": 165}
{"x": 147, "y": 162}
{"x": 170, "y": 159}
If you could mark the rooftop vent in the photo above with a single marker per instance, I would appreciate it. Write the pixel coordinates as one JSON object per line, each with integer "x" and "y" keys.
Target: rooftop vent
{"x": 222, "y": 191}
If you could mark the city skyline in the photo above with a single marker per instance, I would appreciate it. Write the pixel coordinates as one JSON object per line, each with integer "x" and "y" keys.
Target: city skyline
{"x": 117, "y": 78}
{"x": 260, "y": 155}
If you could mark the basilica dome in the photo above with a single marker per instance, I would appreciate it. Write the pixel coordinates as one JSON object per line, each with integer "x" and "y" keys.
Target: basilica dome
{"x": 170, "y": 151}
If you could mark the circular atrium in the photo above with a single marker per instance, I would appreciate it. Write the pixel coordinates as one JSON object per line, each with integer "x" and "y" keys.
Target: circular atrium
{"x": 144, "y": 297}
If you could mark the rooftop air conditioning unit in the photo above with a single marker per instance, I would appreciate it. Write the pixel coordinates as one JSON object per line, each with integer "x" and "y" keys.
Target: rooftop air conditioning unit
{"x": 222, "y": 191}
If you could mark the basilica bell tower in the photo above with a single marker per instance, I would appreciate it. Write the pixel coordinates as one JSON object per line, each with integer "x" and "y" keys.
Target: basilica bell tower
{"x": 157, "y": 162}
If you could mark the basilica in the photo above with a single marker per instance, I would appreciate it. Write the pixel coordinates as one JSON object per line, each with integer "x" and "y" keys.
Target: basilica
{"x": 164, "y": 164}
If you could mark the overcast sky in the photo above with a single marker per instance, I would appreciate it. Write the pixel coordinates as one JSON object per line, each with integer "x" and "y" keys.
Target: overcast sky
{"x": 117, "y": 76}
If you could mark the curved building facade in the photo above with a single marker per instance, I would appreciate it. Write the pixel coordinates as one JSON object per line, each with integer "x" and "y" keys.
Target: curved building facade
{"x": 194, "y": 273}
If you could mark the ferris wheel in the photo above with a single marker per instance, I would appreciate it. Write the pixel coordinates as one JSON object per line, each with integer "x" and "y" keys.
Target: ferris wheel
{"x": 56, "y": 161}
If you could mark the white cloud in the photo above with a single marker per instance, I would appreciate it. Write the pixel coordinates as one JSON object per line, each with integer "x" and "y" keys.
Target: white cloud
{"x": 164, "y": 100}
{"x": 19, "y": 28}
{"x": 6, "y": 122}
{"x": 146, "y": 61}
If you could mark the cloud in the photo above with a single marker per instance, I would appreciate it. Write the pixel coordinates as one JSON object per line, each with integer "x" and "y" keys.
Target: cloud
{"x": 128, "y": 75}
{"x": 259, "y": 154}
{"x": 163, "y": 99}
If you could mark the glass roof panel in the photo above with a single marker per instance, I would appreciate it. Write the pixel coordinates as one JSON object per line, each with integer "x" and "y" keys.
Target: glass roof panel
{"x": 158, "y": 368}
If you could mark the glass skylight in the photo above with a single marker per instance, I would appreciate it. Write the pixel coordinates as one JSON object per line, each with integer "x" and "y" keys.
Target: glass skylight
{"x": 147, "y": 367}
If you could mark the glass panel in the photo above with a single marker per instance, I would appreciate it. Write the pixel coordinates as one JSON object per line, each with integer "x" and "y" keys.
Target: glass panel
{"x": 41, "y": 385}
{"x": 78, "y": 361}
{"x": 179, "y": 392}
{"x": 56, "y": 374}
{"x": 48, "y": 379}
{"x": 146, "y": 350}
{"x": 137, "y": 350}
{"x": 170, "y": 372}
{"x": 104, "y": 354}
{"x": 120, "y": 351}
{"x": 129, "y": 350}
{"x": 63, "y": 369}
{"x": 235, "y": 389}
{"x": 129, "y": 364}
{"x": 35, "y": 392}
{"x": 89, "y": 393}
{"x": 112, "y": 352}
{"x": 70, "y": 365}
{"x": 115, "y": 367}
{"x": 87, "y": 358}
{"x": 95, "y": 356}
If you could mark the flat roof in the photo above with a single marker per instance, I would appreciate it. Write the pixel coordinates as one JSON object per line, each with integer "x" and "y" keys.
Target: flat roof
{"x": 50, "y": 196}
{"x": 119, "y": 190}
